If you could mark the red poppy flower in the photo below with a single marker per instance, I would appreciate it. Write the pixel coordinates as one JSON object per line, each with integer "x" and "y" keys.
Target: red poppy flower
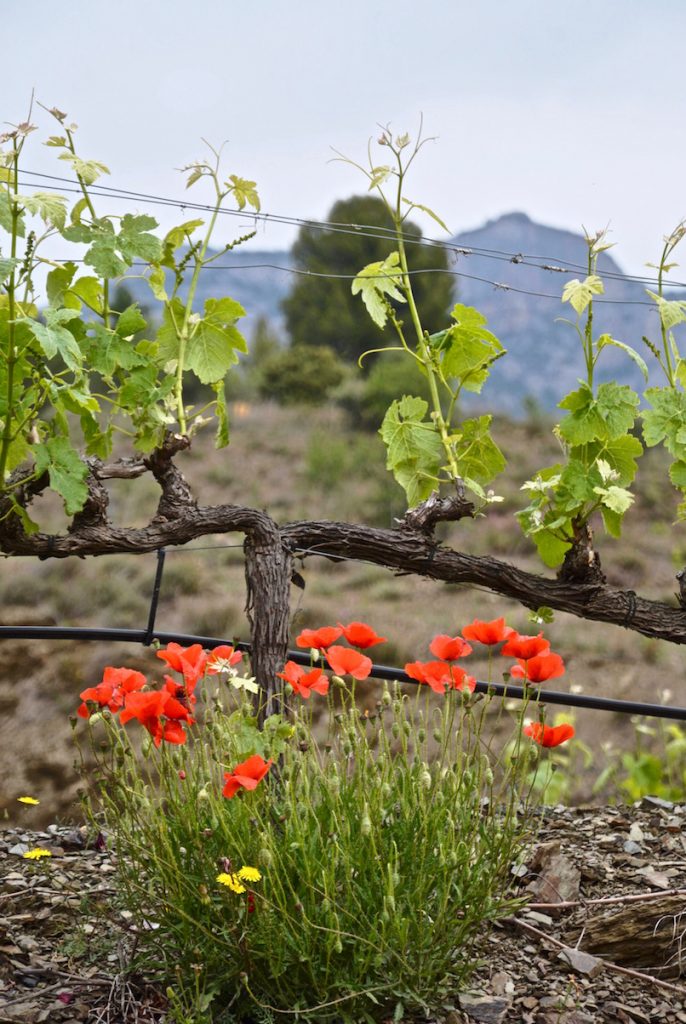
{"x": 221, "y": 659}
{"x": 344, "y": 661}
{"x": 440, "y": 676}
{"x": 549, "y": 735}
{"x": 447, "y": 648}
{"x": 116, "y": 683}
{"x": 304, "y": 683}
{"x": 320, "y": 639}
{"x": 526, "y": 647}
{"x": 490, "y": 633}
{"x": 246, "y": 775}
{"x": 150, "y": 708}
{"x": 190, "y": 661}
{"x": 182, "y": 693}
{"x": 540, "y": 668}
{"x": 359, "y": 634}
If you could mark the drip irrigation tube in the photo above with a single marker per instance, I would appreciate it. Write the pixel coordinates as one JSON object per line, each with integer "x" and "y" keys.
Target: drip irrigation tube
{"x": 504, "y": 690}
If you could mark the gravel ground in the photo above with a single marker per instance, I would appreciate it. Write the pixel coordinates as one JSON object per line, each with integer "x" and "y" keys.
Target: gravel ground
{"x": 600, "y": 939}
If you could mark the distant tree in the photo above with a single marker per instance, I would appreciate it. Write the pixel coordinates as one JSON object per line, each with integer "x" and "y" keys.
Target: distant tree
{"x": 322, "y": 311}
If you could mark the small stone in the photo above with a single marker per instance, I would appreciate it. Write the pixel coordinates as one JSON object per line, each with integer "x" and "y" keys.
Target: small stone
{"x": 534, "y": 915}
{"x": 485, "y": 1009}
{"x": 631, "y": 847}
{"x": 657, "y": 801}
{"x": 582, "y": 962}
{"x": 502, "y": 984}
{"x": 19, "y": 849}
{"x": 630, "y": 1011}
{"x": 636, "y": 834}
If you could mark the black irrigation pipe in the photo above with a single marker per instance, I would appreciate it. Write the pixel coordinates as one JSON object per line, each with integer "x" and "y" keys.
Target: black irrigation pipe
{"x": 509, "y": 690}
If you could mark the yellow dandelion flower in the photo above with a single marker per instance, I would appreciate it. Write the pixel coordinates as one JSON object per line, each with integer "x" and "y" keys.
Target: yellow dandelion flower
{"x": 249, "y": 874}
{"x": 231, "y": 882}
{"x": 27, "y": 800}
{"x": 37, "y": 854}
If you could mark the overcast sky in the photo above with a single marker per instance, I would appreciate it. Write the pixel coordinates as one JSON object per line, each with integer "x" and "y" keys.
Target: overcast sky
{"x": 571, "y": 112}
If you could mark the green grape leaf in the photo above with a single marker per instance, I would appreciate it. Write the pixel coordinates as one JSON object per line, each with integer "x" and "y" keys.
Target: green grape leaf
{"x": 53, "y": 337}
{"x": 665, "y": 419}
{"x": 677, "y": 474}
{"x": 58, "y": 283}
{"x": 671, "y": 312}
{"x": 468, "y": 348}
{"x": 478, "y": 456}
{"x": 244, "y": 192}
{"x": 579, "y": 293}
{"x": 89, "y": 290}
{"x": 428, "y": 212}
{"x": 27, "y": 522}
{"x": 378, "y": 282}
{"x": 607, "y": 415}
{"x": 606, "y": 339}
{"x": 134, "y": 240}
{"x": 221, "y": 437}
{"x": 50, "y": 207}
{"x": 156, "y": 283}
{"x": 98, "y": 442}
{"x": 212, "y": 347}
{"x": 102, "y": 254}
{"x": 551, "y": 549}
{"x": 7, "y": 265}
{"x": 618, "y": 499}
{"x": 88, "y": 170}
{"x": 168, "y": 334}
{"x": 575, "y": 484}
{"x": 107, "y": 351}
{"x": 130, "y": 322}
{"x": 178, "y": 235}
{"x": 612, "y": 521}
{"x": 6, "y": 208}
{"x": 414, "y": 449}
{"x": 620, "y": 454}
{"x": 66, "y": 470}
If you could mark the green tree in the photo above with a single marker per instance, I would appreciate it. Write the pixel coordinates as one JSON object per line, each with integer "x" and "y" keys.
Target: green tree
{"x": 323, "y": 311}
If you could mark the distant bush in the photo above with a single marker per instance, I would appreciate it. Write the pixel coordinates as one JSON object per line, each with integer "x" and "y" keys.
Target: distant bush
{"x": 300, "y": 375}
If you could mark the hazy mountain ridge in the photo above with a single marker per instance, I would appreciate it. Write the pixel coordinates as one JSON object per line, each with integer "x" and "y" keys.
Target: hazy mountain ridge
{"x": 544, "y": 354}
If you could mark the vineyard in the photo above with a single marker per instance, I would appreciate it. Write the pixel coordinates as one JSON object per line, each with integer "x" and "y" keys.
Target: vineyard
{"x": 284, "y": 844}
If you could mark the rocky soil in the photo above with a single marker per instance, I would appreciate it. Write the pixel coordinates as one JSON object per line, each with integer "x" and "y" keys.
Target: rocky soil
{"x": 599, "y": 941}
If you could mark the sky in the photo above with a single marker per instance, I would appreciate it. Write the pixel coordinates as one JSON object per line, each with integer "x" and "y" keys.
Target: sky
{"x": 572, "y": 113}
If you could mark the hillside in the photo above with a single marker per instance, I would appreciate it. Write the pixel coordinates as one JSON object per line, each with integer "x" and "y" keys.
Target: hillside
{"x": 541, "y": 348}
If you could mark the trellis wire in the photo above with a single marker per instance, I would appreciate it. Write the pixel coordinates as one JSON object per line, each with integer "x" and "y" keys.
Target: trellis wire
{"x": 551, "y": 264}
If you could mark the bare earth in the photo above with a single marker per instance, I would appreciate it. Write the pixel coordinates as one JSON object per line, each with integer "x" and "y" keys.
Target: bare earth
{"x": 611, "y": 951}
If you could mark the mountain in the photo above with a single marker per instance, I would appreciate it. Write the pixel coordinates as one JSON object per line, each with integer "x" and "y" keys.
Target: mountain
{"x": 544, "y": 356}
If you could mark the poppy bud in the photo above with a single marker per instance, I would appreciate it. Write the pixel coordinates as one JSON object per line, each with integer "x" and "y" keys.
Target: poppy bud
{"x": 203, "y": 794}
{"x": 182, "y": 775}
{"x": 421, "y": 735}
{"x": 265, "y": 857}
{"x": 366, "y": 823}
{"x": 425, "y": 779}
{"x": 386, "y": 698}
{"x": 338, "y": 681}
{"x": 395, "y": 730}
{"x": 437, "y": 735}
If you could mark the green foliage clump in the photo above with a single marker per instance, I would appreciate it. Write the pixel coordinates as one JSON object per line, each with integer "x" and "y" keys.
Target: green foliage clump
{"x": 300, "y": 376}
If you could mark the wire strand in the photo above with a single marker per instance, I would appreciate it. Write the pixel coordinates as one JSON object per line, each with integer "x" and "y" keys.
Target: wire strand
{"x": 550, "y": 263}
